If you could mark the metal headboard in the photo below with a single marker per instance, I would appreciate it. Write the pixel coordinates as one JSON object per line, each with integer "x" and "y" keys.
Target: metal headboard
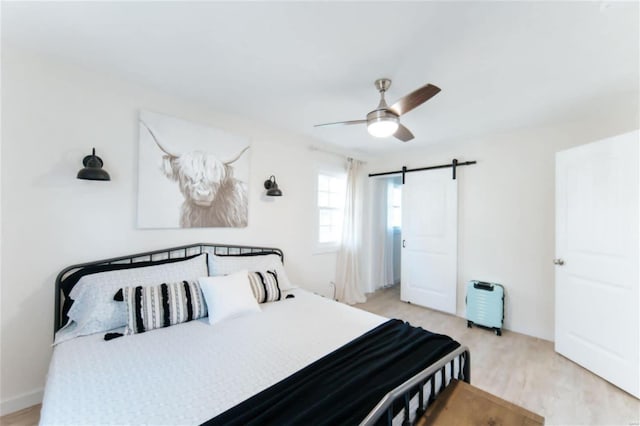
{"x": 162, "y": 254}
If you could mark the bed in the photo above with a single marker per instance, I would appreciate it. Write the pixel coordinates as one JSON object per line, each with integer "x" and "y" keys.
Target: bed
{"x": 197, "y": 373}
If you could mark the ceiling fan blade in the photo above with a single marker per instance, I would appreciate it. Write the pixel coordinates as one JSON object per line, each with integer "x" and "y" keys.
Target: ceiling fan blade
{"x": 345, "y": 123}
{"x": 414, "y": 99}
{"x": 403, "y": 133}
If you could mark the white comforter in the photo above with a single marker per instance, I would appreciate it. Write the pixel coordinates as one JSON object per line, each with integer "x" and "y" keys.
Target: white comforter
{"x": 189, "y": 373}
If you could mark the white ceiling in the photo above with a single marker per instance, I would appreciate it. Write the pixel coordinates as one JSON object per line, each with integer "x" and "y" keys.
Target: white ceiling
{"x": 500, "y": 65}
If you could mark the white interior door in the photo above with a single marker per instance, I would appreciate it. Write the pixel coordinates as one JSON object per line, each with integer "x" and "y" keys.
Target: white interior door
{"x": 597, "y": 298}
{"x": 429, "y": 234}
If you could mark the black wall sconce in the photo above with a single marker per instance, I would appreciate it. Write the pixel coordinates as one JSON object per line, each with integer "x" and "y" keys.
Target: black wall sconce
{"x": 93, "y": 168}
{"x": 272, "y": 187}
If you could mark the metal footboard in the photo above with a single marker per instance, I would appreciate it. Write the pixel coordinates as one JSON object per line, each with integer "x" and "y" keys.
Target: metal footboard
{"x": 413, "y": 391}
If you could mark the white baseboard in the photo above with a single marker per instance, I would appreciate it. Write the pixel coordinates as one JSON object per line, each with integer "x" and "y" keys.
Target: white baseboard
{"x": 20, "y": 402}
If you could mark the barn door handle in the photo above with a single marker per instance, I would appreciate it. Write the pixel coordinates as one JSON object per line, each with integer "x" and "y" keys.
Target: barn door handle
{"x": 404, "y": 243}
{"x": 559, "y": 262}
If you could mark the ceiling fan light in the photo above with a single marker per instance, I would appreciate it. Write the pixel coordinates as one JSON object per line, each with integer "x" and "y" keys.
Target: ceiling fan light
{"x": 382, "y": 127}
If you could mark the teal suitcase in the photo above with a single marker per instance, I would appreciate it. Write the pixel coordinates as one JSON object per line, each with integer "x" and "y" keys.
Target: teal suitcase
{"x": 485, "y": 305}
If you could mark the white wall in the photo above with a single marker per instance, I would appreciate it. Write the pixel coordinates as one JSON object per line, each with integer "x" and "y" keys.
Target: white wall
{"x": 53, "y": 114}
{"x": 506, "y": 209}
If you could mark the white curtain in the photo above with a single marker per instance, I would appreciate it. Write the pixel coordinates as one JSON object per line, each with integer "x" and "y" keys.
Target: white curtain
{"x": 348, "y": 263}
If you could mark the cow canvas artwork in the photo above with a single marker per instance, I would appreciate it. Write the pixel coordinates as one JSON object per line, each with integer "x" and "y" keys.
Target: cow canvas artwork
{"x": 190, "y": 175}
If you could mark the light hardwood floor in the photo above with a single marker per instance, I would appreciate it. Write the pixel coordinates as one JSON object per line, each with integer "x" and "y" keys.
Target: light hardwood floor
{"x": 521, "y": 369}
{"x": 27, "y": 417}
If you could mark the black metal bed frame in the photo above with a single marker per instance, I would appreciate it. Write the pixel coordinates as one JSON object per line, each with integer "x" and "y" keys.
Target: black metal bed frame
{"x": 412, "y": 392}
{"x": 409, "y": 393}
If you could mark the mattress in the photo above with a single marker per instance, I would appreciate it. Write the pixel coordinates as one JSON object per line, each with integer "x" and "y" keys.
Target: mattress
{"x": 189, "y": 373}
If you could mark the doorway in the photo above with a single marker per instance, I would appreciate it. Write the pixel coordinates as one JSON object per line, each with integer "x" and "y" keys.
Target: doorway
{"x": 414, "y": 237}
{"x": 386, "y": 232}
{"x": 394, "y": 224}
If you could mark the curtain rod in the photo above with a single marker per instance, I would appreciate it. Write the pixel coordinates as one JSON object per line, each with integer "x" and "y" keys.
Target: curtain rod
{"x": 454, "y": 164}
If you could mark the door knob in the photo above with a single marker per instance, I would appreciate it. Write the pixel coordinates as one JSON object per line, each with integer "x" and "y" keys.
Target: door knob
{"x": 558, "y": 262}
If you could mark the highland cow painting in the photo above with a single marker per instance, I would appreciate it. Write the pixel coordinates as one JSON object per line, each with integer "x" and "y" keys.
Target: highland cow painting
{"x": 190, "y": 175}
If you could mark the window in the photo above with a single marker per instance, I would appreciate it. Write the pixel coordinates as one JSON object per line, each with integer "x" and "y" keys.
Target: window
{"x": 394, "y": 202}
{"x": 330, "y": 203}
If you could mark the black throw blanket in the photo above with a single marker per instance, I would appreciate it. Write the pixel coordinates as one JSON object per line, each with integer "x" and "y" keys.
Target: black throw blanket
{"x": 344, "y": 386}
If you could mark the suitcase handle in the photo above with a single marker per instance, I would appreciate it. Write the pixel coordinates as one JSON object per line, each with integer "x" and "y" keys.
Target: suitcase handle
{"x": 483, "y": 286}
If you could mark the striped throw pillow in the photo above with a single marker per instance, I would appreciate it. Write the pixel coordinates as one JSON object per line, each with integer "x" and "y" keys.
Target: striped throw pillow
{"x": 265, "y": 286}
{"x": 161, "y": 306}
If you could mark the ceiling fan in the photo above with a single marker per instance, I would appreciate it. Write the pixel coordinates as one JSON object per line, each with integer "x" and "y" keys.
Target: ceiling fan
{"x": 384, "y": 121}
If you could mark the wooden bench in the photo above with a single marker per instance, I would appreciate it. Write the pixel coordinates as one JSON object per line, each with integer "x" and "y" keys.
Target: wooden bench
{"x": 462, "y": 404}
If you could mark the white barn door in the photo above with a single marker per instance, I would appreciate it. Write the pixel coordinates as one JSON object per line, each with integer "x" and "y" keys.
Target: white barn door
{"x": 597, "y": 268}
{"x": 429, "y": 239}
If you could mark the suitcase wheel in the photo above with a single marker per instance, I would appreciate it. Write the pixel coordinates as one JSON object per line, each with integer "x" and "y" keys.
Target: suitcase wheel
{"x": 498, "y": 332}
{"x": 469, "y": 324}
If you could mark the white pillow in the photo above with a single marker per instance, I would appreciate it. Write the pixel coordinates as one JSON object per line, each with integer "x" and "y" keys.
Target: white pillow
{"x": 223, "y": 265}
{"x": 228, "y": 296}
{"x": 94, "y": 309}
